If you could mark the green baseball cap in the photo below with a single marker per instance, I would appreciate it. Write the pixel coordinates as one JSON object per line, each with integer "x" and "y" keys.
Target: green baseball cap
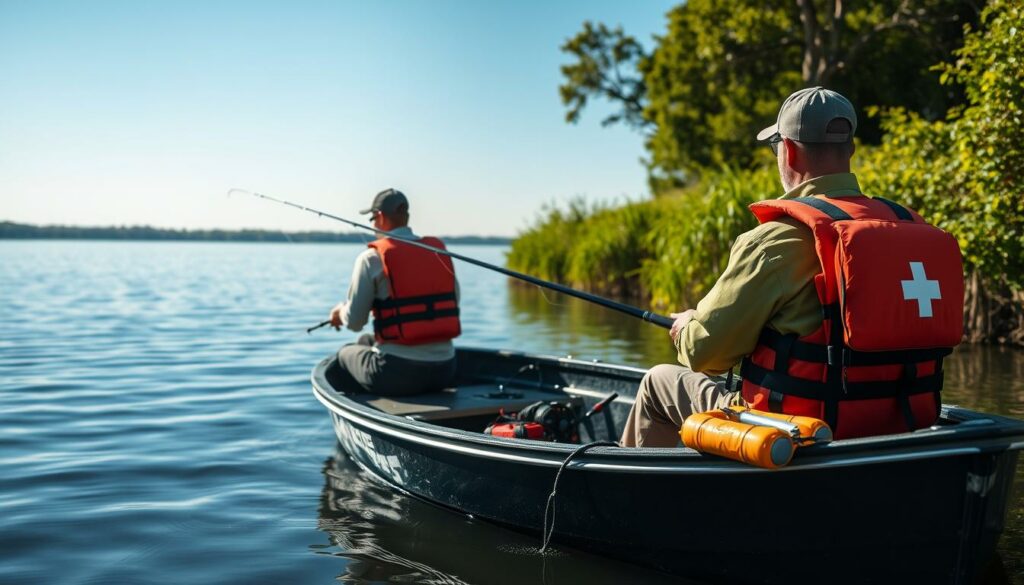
{"x": 806, "y": 114}
{"x": 387, "y": 201}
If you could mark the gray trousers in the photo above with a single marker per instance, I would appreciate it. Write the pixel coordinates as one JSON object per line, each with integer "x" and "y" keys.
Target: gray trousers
{"x": 667, "y": 395}
{"x": 364, "y": 369}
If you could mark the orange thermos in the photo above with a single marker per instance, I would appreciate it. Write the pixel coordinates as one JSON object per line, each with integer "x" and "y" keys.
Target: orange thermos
{"x": 713, "y": 432}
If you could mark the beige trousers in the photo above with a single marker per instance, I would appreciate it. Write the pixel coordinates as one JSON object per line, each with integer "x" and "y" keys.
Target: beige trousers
{"x": 667, "y": 395}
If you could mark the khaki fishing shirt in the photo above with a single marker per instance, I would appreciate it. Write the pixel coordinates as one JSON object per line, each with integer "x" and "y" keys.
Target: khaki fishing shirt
{"x": 769, "y": 281}
{"x": 369, "y": 283}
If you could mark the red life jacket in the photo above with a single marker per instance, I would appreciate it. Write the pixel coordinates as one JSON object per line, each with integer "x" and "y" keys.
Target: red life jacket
{"x": 422, "y": 307}
{"x": 892, "y": 296}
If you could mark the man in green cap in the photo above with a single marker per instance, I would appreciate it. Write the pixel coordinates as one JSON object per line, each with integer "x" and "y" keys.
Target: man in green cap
{"x": 413, "y": 296}
{"x": 769, "y": 280}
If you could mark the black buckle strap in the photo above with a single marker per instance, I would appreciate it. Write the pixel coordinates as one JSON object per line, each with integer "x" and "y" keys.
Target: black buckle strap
{"x": 825, "y": 207}
{"x": 389, "y": 303}
{"x": 813, "y": 390}
{"x": 835, "y": 355}
{"x": 429, "y": 315}
{"x": 832, "y": 311}
{"x": 800, "y": 350}
{"x": 909, "y": 381}
{"x": 900, "y": 211}
{"x": 783, "y": 349}
{"x": 881, "y": 358}
{"x": 836, "y": 388}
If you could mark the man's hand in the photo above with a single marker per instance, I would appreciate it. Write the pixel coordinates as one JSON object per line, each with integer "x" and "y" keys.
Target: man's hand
{"x": 681, "y": 319}
{"x": 336, "y": 316}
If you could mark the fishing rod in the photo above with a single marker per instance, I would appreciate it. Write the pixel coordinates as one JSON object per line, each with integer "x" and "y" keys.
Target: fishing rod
{"x": 649, "y": 316}
{"x": 317, "y": 326}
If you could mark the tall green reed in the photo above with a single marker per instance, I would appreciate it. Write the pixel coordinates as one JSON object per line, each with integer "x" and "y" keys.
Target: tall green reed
{"x": 666, "y": 251}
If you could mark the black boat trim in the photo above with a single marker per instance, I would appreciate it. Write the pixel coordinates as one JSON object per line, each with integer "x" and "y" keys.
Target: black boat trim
{"x": 1005, "y": 426}
{"x": 703, "y": 467}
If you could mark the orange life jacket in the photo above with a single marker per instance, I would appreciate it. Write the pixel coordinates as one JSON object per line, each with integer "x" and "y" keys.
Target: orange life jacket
{"x": 422, "y": 307}
{"x": 892, "y": 294}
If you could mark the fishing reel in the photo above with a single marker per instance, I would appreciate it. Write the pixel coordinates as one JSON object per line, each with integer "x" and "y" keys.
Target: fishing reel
{"x": 559, "y": 419}
{"x": 548, "y": 420}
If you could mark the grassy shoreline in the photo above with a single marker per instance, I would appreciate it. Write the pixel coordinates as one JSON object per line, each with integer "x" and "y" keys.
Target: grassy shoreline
{"x": 666, "y": 252}
{"x": 19, "y": 231}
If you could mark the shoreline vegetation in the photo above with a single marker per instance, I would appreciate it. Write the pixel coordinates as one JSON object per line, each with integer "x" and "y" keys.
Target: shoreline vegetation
{"x": 20, "y": 231}
{"x": 961, "y": 167}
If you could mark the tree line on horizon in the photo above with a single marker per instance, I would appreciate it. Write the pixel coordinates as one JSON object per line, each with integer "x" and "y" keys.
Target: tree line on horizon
{"x": 20, "y": 231}
{"x": 939, "y": 87}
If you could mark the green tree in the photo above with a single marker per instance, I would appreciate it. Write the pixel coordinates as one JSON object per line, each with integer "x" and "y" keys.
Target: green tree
{"x": 607, "y": 62}
{"x": 962, "y": 168}
{"x": 966, "y": 172}
{"x": 718, "y": 74}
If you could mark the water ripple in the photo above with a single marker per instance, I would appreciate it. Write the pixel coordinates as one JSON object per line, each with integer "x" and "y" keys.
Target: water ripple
{"x": 156, "y": 422}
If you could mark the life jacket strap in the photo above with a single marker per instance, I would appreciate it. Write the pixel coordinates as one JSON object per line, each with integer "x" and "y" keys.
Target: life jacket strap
{"x": 390, "y": 303}
{"x": 909, "y": 377}
{"x": 901, "y": 212}
{"x": 814, "y": 390}
{"x": 783, "y": 350}
{"x": 430, "y": 313}
{"x": 835, "y": 373}
{"x": 819, "y": 354}
{"x": 825, "y": 207}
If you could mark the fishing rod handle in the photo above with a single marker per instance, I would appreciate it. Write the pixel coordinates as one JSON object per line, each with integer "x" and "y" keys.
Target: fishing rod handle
{"x": 600, "y": 405}
{"x": 319, "y": 325}
{"x": 659, "y": 320}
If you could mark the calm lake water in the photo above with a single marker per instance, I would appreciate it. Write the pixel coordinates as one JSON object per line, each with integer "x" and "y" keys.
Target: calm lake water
{"x": 157, "y": 424}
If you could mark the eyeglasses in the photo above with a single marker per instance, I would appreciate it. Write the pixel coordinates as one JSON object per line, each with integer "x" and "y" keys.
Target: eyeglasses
{"x": 773, "y": 143}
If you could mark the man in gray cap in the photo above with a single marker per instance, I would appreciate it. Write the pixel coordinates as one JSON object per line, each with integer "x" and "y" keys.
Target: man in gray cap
{"x": 413, "y": 296}
{"x": 769, "y": 280}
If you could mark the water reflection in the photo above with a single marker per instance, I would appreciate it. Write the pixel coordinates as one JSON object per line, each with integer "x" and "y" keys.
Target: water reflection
{"x": 583, "y": 329}
{"x": 386, "y": 536}
{"x": 986, "y": 378}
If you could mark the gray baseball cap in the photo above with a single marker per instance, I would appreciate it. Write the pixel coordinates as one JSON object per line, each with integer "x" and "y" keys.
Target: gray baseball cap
{"x": 805, "y": 115}
{"x": 387, "y": 201}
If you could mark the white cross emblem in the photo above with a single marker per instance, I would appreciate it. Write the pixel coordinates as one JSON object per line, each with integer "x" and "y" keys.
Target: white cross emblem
{"x": 921, "y": 289}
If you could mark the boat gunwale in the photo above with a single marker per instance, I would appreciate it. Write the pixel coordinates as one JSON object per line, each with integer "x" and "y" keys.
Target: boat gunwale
{"x": 953, "y": 440}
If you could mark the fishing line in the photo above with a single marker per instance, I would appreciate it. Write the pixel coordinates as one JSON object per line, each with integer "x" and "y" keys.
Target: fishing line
{"x": 287, "y": 238}
{"x": 630, "y": 310}
{"x": 443, "y": 265}
{"x": 544, "y": 296}
{"x": 549, "y": 509}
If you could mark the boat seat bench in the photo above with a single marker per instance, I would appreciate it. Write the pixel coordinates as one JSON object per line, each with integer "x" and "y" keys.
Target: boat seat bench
{"x": 464, "y": 401}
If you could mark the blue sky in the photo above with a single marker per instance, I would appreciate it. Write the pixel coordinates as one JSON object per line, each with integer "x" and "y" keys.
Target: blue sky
{"x": 132, "y": 112}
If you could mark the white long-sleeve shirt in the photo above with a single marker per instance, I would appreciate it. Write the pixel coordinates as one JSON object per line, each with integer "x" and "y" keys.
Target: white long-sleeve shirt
{"x": 369, "y": 283}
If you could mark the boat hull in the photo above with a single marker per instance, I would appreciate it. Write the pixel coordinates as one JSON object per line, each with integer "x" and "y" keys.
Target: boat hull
{"x": 913, "y": 510}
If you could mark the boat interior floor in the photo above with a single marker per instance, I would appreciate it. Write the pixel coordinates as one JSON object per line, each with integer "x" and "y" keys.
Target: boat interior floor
{"x": 472, "y": 405}
{"x": 464, "y": 401}
{"x": 469, "y": 406}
